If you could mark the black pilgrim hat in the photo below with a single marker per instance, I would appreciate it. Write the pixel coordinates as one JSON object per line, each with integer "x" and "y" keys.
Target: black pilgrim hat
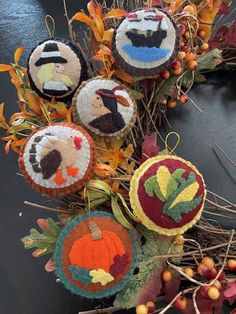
{"x": 50, "y": 54}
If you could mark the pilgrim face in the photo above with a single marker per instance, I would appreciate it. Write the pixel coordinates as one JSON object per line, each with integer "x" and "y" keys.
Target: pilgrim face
{"x": 55, "y": 69}
{"x": 99, "y": 108}
{"x": 146, "y": 39}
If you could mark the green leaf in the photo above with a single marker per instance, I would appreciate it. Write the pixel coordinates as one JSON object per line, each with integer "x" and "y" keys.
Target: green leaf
{"x": 152, "y": 187}
{"x": 80, "y": 274}
{"x": 207, "y": 60}
{"x": 188, "y": 76}
{"x": 137, "y": 95}
{"x": 128, "y": 211}
{"x": 45, "y": 241}
{"x": 173, "y": 182}
{"x": 117, "y": 212}
{"x": 168, "y": 88}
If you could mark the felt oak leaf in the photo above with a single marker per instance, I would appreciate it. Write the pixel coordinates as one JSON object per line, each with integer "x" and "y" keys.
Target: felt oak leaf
{"x": 100, "y": 276}
{"x": 45, "y": 241}
{"x": 119, "y": 264}
{"x": 149, "y": 147}
{"x": 80, "y": 274}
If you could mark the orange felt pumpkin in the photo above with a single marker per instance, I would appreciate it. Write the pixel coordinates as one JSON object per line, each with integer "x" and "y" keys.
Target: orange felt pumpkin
{"x": 96, "y": 249}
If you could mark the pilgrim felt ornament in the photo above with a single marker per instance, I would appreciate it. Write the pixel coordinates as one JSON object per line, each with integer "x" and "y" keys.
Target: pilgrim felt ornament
{"x": 95, "y": 255}
{"x": 146, "y": 42}
{"x": 105, "y": 108}
{"x": 56, "y": 68}
{"x": 167, "y": 194}
{"x": 58, "y": 159}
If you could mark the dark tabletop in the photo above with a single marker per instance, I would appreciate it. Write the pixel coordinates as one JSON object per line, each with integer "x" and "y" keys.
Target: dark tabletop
{"x": 25, "y": 287}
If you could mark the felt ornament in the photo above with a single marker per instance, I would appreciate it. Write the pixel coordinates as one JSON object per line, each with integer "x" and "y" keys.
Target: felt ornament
{"x": 95, "y": 255}
{"x": 167, "y": 194}
{"x": 58, "y": 159}
{"x": 56, "y": 68}
{"x": 105, "y": 108}
{"x": 146, "y": 42}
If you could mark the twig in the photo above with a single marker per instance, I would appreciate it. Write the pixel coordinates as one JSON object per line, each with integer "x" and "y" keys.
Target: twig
{"x": 229, "y": 159}
{"x": 105, "y": 310}
{"x": 194, "y": 300}
{"x": 48, "y": 208}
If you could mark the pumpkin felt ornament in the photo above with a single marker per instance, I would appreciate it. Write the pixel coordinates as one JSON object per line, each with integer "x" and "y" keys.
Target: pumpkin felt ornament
{"x": 146, "y": 42}
{"x": 58, "y": 159}
{"x": 167, "y": 194}
{"x": 105, "y": 108}
{"x": 56, "y": 68}
{"x": 95, "y": 255}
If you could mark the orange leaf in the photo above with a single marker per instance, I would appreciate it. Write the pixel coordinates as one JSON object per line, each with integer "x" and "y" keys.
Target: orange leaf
{"x": 104, "y": 170}
{"x": 21, "y": 115}
{"x": 99, "y": 24}
{"x": 5, "y": 67}
{"x": 7, "y": 147}
{"x": 122, "y": 100}
{"x": 60, "y": 108}
{"x": 69, "y": 115}
{"x": 115, "y": 13}
{"x": 96, "y": 33}
{"x": 124, "y": 76}
{"x": 15, "y": 79}
{"x": 18, "y": 53}
{"x": 92, "y": 7}
{"x": 174, "y": 5}
{"x": 81, "y": 17}
{"x": 108, "y": 35}
{"x": 33, "y": 102}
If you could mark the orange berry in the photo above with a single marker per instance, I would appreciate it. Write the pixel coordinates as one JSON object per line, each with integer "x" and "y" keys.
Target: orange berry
{"x": 150, "y": 306}
{"x": 183, "y": 99}
{"x": 188, "y": 9}
{"x": 192, "y": 65}
{"x": 190, "y": 56}
{"x": 178, "y": 71}
{"x": 179, "y": 239}
{"x": 188, "y": 271}
{"x": 141, "y": 309}
{"x": 181, "y": 55}
{"x": 218, "y": 285}
{"x": 202, "y": 269}
{"x": 231, "y": 264}
{"x": 213, "y": 293}
{"x": 180, "y": 303}
{"x": 187, "y": 35}
{"x": 208, "y": 262}
{"x": 201, "y": 33}
{"x": 165, "y": 74}
{"x": 166, "y": 275}
{"x": 205, "y": 46}
{"x": 171, "y": 104}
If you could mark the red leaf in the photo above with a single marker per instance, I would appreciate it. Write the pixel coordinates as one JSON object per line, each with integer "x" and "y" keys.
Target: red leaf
{"x": 43, "y": 223}
{"x": 149, "y": 147}
{"x": 119, "y": 264}
{"x": 230, "y": 290}
{"x": 224, "y": 9}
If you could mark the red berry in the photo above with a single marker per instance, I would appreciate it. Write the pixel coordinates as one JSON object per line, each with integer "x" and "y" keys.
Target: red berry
{"x": 165, "y": 74}
{"x": 150, "y": 306}
{"x": 171, "y": 104}
{"x": 222, "y": 276}
{"x": 213, "y": 293}
{"x": 183, "y": 99}
{"x": 176, "y": 64}
{"x": 203, "y": 291}
{"x": 231, "y": 264}
{"x": 180, "y": 303}
{"x": 212, "y": 273}
{"x": 202, "y": 269}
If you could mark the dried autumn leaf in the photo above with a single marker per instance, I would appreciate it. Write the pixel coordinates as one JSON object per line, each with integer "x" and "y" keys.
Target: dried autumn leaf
{"x": 33, "y": 101}
{"x": 49, "y": 266}
{"x": 104, "y": 170}
{"x": 81, "y": 17}
{"x": 124, "y": 76}
{"x": 115, "y": 13}
{"x": 108, "y": 35}
{"x": 7, "y": 147}
{"x": 5, "y": 67}
{"x": 18, "y": 53}
{"x": 15, "y": 79}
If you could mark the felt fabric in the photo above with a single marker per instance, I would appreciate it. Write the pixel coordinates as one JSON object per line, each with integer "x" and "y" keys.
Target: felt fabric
{"x": 58, "y": 159}
{"x": 79, "y": 255}
{"x": 146, "y": 42}
{"x": 105, "y": 108}
{"x": 56, "y": 68}
{"x": 167, "y": 194}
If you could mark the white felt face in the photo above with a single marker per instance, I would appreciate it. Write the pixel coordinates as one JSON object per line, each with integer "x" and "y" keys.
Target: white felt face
{"x": 104, "y": 107}
{"x": 55, "y": 69}
{"x": 57, "y": 157}
{"x": 146, "y": 39}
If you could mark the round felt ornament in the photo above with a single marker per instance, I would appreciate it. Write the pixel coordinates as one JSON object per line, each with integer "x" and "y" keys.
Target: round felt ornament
{"x": 167, "y": 194}
{"x": 58, "y": 159}
{"x": 146, "y": 42}
{"x": 95, "y": 255}
{"x": 56, "y": 68}
{"x": 105, "y": 108}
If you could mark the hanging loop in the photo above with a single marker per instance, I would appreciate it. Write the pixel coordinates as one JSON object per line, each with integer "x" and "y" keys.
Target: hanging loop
{"x": 51, "y": 29}
{"x": 171, "y": 151}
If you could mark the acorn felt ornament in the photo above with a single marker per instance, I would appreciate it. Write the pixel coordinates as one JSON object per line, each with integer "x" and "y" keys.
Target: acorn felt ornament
{"x": 167, "y": 194}
{"x": 58, "y": 159}
{"x": 56, "y": 68}
{"x": 146, "y": 42}
{"x": 105, "y": 108}
{"x": 95, "y": 255}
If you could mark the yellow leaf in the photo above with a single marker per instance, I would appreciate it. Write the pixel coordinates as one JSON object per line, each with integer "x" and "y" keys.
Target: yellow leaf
{"x": 18, "y": 53}
{"x": 82, "y": 17}
{"x": 15, "y": 79}
{"x": 104, "y": 170}
{"x": 33, "y": 101}
{"x": 99, "y": 24}
{"x": 108, "y": 35}
{"x": 115, "y": 13}
{"x": 187, "y": 194}
{"x": 124, "y": 76}
{"x": 60, "y": 108}
{"x": 5, "y": 67}
{"x": 163, "y": 176}
{"x": 91, "y": 6}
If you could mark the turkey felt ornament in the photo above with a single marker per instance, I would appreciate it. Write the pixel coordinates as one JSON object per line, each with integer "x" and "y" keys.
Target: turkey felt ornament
{"x": 56, "y": 68}
{"x": 58, "y": 159}
{"x": 146, "y": 42}
{"x": 167, "y": 194}
{"x": 95, "y": 255}
{"x": 105, "y": 108}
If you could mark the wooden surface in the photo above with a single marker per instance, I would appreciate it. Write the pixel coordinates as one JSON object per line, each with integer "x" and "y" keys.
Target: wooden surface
{"x": 25, "y": 287}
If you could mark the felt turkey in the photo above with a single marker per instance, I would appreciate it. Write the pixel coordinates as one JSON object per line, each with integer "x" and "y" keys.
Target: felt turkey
{"x": 50, "y": 155}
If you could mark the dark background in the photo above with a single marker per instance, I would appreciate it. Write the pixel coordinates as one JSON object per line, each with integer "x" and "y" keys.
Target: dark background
{"x": 25, "y": 287}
